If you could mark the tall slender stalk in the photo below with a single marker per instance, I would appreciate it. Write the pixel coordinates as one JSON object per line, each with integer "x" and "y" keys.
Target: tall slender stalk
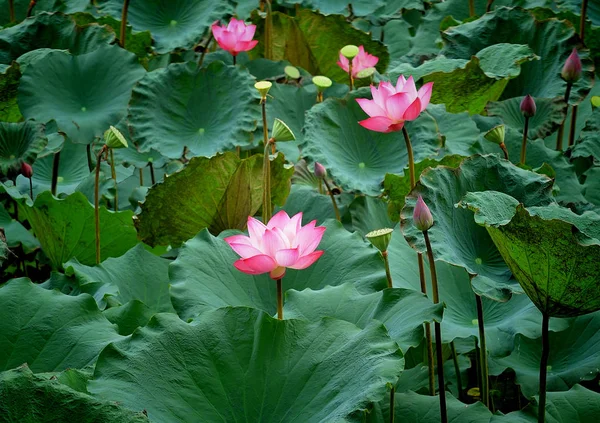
{"x": 234, "y": 60}
{"x": 543, "y": 368}
{"x": 268, "y": 31}
{"x": 88, "y": 149}
{"x": 32, "y": 4}
{"x": 561, "y": 129}
{"x": 279, "y": 300}
{"x": 335, "y": 206}
{"x": 573, "y": 125}
{"x": 141, "y": 177}
{"x": 459, "y": 387}
{"x": 123, "y": 23}
{"x": 388, "y": 274}
{"x": 483, "y": 362}
{"x": 152, "y": 177}
{"x": 350, "y": 75}
{"x": 30, "y": 188}
{"x": 413, "y": 182}
{"x": 524, "y": 143}
{"x": 55, "y": 165}
{"x": 97, "y": 203}
{"x": 266, "y": 212}
{"x": 504, "y": 150}
{"x": 582, "y": 21}
{"x": 201, "y": 61}
{"x": 471, "y": 8}
{"x": 113, "y": 174}
{"x": 392, "y": 398}
{"x": 438, "y": 332}
{"x": 11, "y": 10}
{"x": 488, "y": 7}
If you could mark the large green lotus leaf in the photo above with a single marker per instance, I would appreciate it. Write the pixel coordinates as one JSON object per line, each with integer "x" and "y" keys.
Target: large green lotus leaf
{"x": 15, "y": 232}
{"x": 207, "y": 110}
{"x": 30, "y": 398}
{"x": 313, "y": 41}
{"x": 48, "y": 330}
{"x": 539, "y": 78}
{"x": 217, "y": 193}
{"x": 313, "y": 205}
{"x": 138, "y": 275}
{"x": 402, "y": 311}
{"x": 553, "y": 252}
{"x": 366, "y": 214}
{"x": 19, "y": 142}
{"x": 52, "y": 31}
{"x": 550, "y": 114}
{"x": 455, "y": 237}
{"x": 588, "y": 143}
{"x": 241, "y": 364}
{"x": 203, "y": 275}
{"x": 591, "y": 186}
{"x": 574, "y": 356}
{"x": 9, "y": 86}
{"x": 355, "y": 157}
{"x": 65, "y": 229}
{"x": 84, "y": 94}
{"x": 578, "y": 405}
{"x": 41, "y": 6}
{"x": 174, "y": 24}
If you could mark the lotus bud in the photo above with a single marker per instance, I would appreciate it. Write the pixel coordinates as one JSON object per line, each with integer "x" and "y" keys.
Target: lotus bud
{"x": 496, "y": 134}
{"x": 571, "y": 71}
{"x": 422, "y": 216}
{"x": 380, "y": 238}
{"x": 528, "y": 107}
{"x": 281, "y": 132}
{"x": 321, "y": 82}
{"x": 292, "y": 72}
{"x": 320, "y": 171}
{"x": 26, "y": 170}
{"x": 263, "y": 88}
{"x": 350, "y": 51}
{"x": 114, "y": 138}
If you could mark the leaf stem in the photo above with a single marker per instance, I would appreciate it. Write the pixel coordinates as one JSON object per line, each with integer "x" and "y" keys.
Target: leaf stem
{"x": 32, "y": 4}
{"x": 266, "y": 212}
{"x": 123, "y": 23}
{"x": 392, "y": 398}
{"x": 279, "y": 300}
{"x": 350, "y": 75}
{"x": 561, "y": 129}
{"x": 483, "y": 362}
{"x": 543, "y": 368}
{"x": 30, "y": 188}
{"x": 268, "y": 31}
{"x": 573, "y": 125}
{"x": 113, "y": 174}
{"x": 201, "y": 61}
{"x": 141, "y": 177}
{"x": 457, "y": 371}
{"x": 488, "y": 7}
{"x": 438, "y": 332}
{"x": 97, "y": 203}
{"x": 504, "y": 150}
{"x": 335, "y": 207}
{"x": 582, "y": 21}
{"x": 152, "y": 177}
{"x": 411, "y": 159}
{"x": 11, "y": 10}
{"x": 524, "y": 143}
{"x": 388, "y": 274}
{"x": 471, "y": 8}
{"x": 88, "y": 149}
{"x": 55, "y": 165}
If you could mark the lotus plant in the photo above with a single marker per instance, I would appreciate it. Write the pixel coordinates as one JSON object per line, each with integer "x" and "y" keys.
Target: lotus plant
{"x": 354, "y": 60}
{"x": 570, "y": 73}
{"x": 528, "y": 108}
{"x": 389, "y": 109}
{"x": 234, "y": 37}
{"x": 273, "y": 248}
{"x": 321, "y": 174}
{"x": 27, "y": 171}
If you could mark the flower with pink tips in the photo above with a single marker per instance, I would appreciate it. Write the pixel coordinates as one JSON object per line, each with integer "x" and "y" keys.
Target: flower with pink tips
{"x": 235, "y": 37}
{"x": 283, "y": 243}
{"x": 392, "y": 106}
{"x": 361, "y": 61}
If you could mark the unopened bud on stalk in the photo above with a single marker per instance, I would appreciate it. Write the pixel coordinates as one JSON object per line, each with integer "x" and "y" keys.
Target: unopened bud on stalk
{"x": 350, "y": 51}
{"x": 26, "y": 170}
{"x": 571, "y": 71}
{"x": 528, "y": 107}
{"x": 263, "y": 88}
{"x": 320, "y": 171}
{"x": 380, "y": 238}
{"x": 281, "y": 132}
{"x": 422, "y": 216}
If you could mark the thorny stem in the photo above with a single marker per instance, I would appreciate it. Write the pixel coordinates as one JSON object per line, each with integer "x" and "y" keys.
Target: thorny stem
{"x": 387, "y": 269}
{"x": 97, "y": 203}
{"x": 524, "y": 143}
{"x": 543, "y": 368}
{"x": 483, "y": 362}
{"x": 573, "y": 124}
{"x": 335, "y": 207}
{"x": 266, "y": 215}
{"x": 319, "y": 96}
{"x": 438, "y": 332}
{"x": 55, "y": 164}
{"x": 457, "y": 371}
{"x": 561, "y": 129}
{"x": 123, "y": 23}
{"x": 279, "y": 300}
{"x": 113, "y": 174}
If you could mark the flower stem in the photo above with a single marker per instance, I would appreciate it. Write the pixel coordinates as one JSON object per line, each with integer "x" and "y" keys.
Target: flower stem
{"x": 32, "y": 4}
{"x": 543, "y": 368}
{"x": 123, "y": 23}
{"x": 388, "y": 274}
{"x": 411, "y": 159}
{"x": 97, "y": 203}
{"x": 152, "y": 178}
{"x": 489, "y": 5}
{"x": 457, "y": 371}
{"x": 483, "y": 362}
{"x": 319, "y": 96}
{"x": 11, "y": 10}
{"x": 268, "y": 31}
{"x": 471, "y": 8}
{"x": 113, "y": 174}
{"x": 55, "y": 164}
{"x": 234, "y": 60}
{"x": 266, "y": 213}
{"x": 582, "y": 21}
{"x": 201, "y": 61}
{"x": 561, "y": 129}
{"x": 141, "y": 177}
{"x": 524, "y": 143}
{"x": 279, "y": 300}
{"x": 392, "y": 398}
{"x": 350, "y": 75}
{"x": 335, "y": 207}
{"x": 573, "y": 124}
{"x": 438, "y": 332}
{"x": 88, "y": 149}
{"x": 504, "y": 150}
{"x": 30, "y": 188}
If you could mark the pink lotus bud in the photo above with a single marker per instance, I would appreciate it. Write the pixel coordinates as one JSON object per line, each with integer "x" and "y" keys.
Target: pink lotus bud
{"x": 528, "y": 107}
{"x": 235, "y": 37}
{"x": 392, "y": 106}
{"x": 320, "y": 171}
{"x": 422, "y": 216}
{"x": 283, "y": 243}
{"x": 360, "y": 61}
{"x": 571, "y": 71}
{"x": 26, "y": 170}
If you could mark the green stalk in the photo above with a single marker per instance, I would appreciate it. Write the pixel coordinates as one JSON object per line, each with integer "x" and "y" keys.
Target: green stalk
{"x": 471, "y": 8}
{"x": 152, "y": 177}
{"x": 388, "y": 274}
{"x": 335, "y": 207}
{"x": 266, "y": 166}
{"x": 438, "y": 332}
{"x": 573, "y": 125}
{"x": 483, "y": 362}
{"x": 97, "y": 203}
{"x": 524, "y": 143}
{"x": 141, "y": 177}
{"x": 113, "y": 174}
{"x": 350, "y": 75}
{"x": 55, "y": 164}
{"x": 268, "y": 31}
{"x": 201, "y": 61}
{"x": 11, "y": 10}
{"x": 457, "y": 371}
{"x": 392, "y": 398}
{"x": 279, "y": 300}
{"x": 561, "y": 129}
{"x": 582, "y": 21}
{"x": 543, "y": 368}
{"x": 123, "y": 23}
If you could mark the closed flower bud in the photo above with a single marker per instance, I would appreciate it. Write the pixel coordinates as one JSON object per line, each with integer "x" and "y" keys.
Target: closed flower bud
{"x": 380, "y": 238}
{"x": 422, "y": 216}
{"x": 26, "y": 170}
{"x": 528, "y": 107}
{"x": 320, "y": 171}
{"x": 571, "y": 71}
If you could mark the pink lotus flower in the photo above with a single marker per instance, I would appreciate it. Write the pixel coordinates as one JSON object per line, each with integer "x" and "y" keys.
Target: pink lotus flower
{"x": 361, "y": 61}
{"x": 422, "y": 215}
{"x": 392, "y": 106}
{"x": 282, "y": 243}
{"x": 235, "y": 37}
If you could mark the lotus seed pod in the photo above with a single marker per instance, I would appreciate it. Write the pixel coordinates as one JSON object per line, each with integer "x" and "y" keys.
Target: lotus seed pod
{"x": 114, "y": 138}
{"x": 263, "y": 88}
{"x": 571, "y": 71}
{"x": 365, "y": 73}
{"x": 380, "y": 238}
{"x": 320, "y": 171}
{"x": 528, "y": 107}
{"x": 292, "y": 72}
{"x": 422, "y": 216}
{"x": 321, "y": 82}
{"x": 496, "y": 134}
{"x": 349, "y": 52}
{"x": 282, "y": 132}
